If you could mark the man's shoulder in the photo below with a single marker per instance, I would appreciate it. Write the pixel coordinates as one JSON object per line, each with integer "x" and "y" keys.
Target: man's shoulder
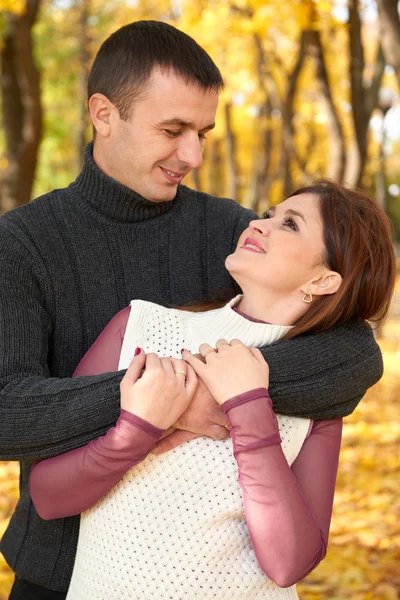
{"x": 216, "y": 204}
{"x": 39, "y": 206}
{"x": 35, "y": 217}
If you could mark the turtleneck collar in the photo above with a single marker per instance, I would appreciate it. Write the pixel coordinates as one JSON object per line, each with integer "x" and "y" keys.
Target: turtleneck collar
{"x": 112, "y": 199}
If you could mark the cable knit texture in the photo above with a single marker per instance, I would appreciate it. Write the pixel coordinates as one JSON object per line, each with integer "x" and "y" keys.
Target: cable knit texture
{"x": 174, "y": 527}
{"x": 69, "y": 261}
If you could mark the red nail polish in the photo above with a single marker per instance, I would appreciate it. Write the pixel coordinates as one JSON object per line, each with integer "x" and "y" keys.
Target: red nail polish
{"x": 182, "y": 350}
{"x": 137, "y": 351}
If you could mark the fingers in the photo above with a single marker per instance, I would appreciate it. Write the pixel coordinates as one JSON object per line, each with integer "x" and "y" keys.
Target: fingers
{"x": 197, "y": 364}
{"x": 135, "y": 369}
{"x": 217, "y": 432}
{"x": 172, "y": 441}
{"x": 153, "y": 362}
{"x": 191, "y": 380}
{"x": 180, "y": 368}
{"x": 236, "y": 342}
{"x": 221, "y": 344}
{"x": 205, "y": 350}
{"x": 258, "y": 355}
{"x": 167, "y": 366}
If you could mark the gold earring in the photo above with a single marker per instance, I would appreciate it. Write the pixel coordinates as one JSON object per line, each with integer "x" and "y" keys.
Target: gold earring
{"x": 307, "y": 298}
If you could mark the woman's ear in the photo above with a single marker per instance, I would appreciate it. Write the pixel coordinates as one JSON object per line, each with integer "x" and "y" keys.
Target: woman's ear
{"x": 328, "y": 283}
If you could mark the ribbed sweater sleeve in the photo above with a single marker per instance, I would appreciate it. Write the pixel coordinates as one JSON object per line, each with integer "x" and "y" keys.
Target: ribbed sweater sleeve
{"x": 324, "y": 375}
{"x": 40, "y": 415}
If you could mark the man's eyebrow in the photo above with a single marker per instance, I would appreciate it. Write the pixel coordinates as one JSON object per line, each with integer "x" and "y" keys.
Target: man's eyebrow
{"x": 176, "y": 122}
{"x": 271, "y": 211}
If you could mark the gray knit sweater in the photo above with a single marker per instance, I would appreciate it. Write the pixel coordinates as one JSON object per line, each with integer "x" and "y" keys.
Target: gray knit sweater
{"x": 69, "y": 261}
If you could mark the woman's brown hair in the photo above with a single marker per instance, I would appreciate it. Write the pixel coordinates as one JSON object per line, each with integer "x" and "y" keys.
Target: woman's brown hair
{"x": 358, "y": 245}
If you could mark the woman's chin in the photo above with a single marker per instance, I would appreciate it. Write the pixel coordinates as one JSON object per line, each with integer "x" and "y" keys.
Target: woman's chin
{"x": 231, "y": 263}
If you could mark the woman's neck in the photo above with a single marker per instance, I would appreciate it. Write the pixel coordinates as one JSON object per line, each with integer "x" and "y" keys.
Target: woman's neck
{"x": 283, "y": 310}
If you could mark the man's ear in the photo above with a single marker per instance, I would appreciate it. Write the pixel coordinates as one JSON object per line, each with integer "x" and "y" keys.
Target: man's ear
{"x": 328, "y": 283}
{"x": 101, "y": 113}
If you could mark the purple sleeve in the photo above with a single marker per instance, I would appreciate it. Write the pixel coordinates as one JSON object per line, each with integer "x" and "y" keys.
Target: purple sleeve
{"x": 70, "y": 483}
{"x": 288, "y": 510}
{"x": 103, "y": 354}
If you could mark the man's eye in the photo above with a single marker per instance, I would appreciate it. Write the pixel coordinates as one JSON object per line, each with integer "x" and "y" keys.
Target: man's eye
{"x": 171, "y": 133}
{"x": 202, "y": 136}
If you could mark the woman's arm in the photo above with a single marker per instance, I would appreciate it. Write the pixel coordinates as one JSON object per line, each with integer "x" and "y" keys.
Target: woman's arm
{"x": 288, "y": 510}
{"x": 103, "y": 354}
{"x": 68, "y": 484}
{"x": 154, "y": 394}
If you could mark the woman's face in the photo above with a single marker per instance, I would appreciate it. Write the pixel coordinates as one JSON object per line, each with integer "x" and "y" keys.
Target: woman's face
{"x": 282, "y": 252}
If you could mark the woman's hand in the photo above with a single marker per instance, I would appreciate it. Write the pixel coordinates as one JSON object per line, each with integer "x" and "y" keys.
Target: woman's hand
{"x": 229, "y": 369}
{"x": 157, "y": 389}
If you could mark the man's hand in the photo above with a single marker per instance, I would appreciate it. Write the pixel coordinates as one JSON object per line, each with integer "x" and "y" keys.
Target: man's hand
{"x": 202, "y": 417}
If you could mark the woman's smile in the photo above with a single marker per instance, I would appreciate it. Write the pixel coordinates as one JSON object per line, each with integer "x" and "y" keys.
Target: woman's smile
{"x": 252, "y": 245}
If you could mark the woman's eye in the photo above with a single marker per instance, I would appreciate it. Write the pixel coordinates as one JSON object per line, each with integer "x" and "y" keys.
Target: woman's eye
{"x": 266, "y": 215}
{"x": 289, "y": 222}
{"x": 172, "y": 133}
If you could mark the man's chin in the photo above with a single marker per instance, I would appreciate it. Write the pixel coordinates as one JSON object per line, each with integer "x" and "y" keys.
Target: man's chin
{"x": 167, "y": 195}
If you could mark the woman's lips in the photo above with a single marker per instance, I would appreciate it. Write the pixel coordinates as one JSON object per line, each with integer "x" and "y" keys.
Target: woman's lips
{"x": 252, "y": 245}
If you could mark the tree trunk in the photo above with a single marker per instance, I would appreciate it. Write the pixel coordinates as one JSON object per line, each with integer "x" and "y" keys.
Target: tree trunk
{"x": 84, "y": 59}
{"x": 337, "y": 155}
{"x": 364, "y": 98}
{"x": 21, "y": 108}
{"x": 258, "y": 188}
{"x": 390, "y": 33}
{"x": 232, "y": 188}
{"x": 287, "y": 146}
{"x": 215, "y": 174}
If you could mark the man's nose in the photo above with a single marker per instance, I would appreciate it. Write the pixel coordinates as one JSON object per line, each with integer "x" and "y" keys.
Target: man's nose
{"x": 190, "y": 151}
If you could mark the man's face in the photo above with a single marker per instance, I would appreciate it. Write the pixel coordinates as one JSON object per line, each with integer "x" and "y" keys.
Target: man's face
{"x": 163, "y": 140}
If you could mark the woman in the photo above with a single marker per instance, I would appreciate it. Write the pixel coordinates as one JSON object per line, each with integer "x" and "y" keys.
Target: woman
{"x": 175, "y": 525}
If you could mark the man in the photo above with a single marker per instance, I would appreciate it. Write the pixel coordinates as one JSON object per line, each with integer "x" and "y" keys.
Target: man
{"x": 127, "y": 228}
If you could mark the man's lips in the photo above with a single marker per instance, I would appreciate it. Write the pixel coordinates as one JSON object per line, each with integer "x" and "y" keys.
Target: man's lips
{"x": 173, "y": 176}
{"x": 252, "y": 245}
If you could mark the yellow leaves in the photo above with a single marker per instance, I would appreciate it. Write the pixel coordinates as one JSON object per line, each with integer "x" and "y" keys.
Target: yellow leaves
{"x": 3, "y": 163}
{"x": 364, "y": 545}
{"x": 14, "y": 6}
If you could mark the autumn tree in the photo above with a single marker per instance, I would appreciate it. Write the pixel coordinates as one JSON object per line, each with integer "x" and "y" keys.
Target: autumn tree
{"x": 21, "y": 106}
{"x": 390, "y": 33}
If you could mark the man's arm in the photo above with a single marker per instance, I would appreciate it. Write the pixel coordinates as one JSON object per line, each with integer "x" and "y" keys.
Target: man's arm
{"x": 41, "y": 416}
{"x": 325, "y": 375}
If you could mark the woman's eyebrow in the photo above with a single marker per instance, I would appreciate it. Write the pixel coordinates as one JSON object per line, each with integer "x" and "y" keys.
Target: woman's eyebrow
{"x": 271, "y": 211}
{"x": 295, "y": 213}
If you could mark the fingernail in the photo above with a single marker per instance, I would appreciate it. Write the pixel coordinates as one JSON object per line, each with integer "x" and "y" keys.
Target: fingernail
{"x": 137, "y": 351}
{"x": 183, "y": 350}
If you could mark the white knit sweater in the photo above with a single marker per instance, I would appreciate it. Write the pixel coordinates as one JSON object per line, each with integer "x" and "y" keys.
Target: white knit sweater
{"x": 174, "y": 527}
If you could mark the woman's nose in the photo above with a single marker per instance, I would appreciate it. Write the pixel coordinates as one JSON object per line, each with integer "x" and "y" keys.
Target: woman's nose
{"x": 260, "y": 226}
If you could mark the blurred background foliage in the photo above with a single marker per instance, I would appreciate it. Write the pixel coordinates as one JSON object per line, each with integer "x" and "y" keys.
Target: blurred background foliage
{"x": 312, "y": 90}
